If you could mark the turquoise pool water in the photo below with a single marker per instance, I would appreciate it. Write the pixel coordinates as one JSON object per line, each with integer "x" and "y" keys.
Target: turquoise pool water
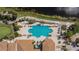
{"x": 40, "y": 30}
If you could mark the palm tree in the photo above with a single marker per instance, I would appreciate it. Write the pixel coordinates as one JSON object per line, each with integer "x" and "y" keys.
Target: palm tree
{"x": 63, "y": 27}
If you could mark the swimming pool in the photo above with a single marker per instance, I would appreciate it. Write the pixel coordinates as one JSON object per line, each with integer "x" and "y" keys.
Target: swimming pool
{"x": 40, "y": 30}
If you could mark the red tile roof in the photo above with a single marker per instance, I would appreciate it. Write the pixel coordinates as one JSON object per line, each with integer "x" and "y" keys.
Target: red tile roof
{"x": 24, "y": 45}
{"x": 48, "y": 45}
{"x": 3, "y": 46}
{"x": 11, "y": 47}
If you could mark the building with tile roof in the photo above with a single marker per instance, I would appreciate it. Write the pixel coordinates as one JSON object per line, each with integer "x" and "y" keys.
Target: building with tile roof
{"x": 12, "y": 47}
{"x": 24, "y": 45}
{"x": 48, "y": 45}
{"x": 3, "y": 46}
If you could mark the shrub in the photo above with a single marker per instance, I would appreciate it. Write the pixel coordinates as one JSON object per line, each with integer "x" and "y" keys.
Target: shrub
{"x": 16, "y": 27}
{"x": 16, "y": 34}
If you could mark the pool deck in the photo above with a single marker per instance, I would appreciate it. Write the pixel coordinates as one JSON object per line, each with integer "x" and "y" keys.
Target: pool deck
{"x": 25, "y": 35}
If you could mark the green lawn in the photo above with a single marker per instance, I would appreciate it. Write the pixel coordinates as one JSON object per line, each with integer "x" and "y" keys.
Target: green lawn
{"x": 74, "y": 31}
{"x": 4, "y": 30}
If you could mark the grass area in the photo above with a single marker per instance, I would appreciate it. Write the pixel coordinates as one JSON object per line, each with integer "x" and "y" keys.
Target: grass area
{"x": 74, "y": 31}
{"x": 5, "y": 30}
